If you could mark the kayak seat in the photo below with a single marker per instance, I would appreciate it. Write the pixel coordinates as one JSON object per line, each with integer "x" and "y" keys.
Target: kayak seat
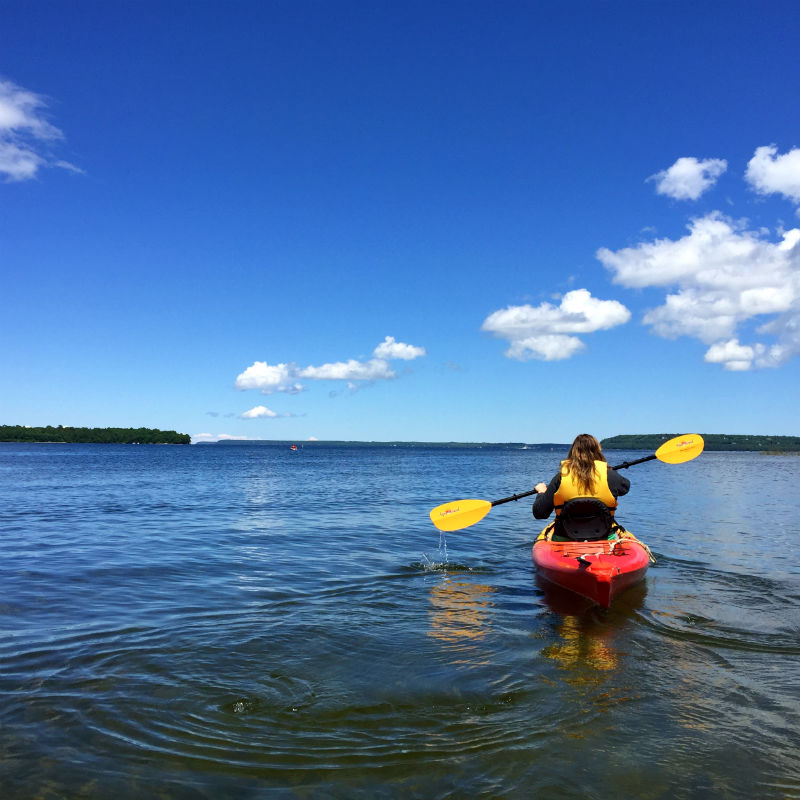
{"x": 585, "y": 519}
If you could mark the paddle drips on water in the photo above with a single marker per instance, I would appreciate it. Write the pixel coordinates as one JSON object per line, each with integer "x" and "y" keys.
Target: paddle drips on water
{"x": 440, "y": 563}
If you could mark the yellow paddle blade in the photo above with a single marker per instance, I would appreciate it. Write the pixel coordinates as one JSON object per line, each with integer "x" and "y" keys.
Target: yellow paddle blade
{"x": 680, "y": 449}
{"x": 459, "y": 514}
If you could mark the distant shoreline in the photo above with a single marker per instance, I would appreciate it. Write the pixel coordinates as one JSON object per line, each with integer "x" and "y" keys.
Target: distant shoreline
{"x": 713, "y": 443}
{"x": 768, "y": 445}
{"x": 22, "y": 434}
{"x": 541, "y": 446}
{"x": 719, "y": 442}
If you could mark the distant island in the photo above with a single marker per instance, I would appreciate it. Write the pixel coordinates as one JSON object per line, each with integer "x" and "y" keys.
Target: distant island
{"x": 713, "y": 441}
{"x": 324, "y": 443}
{"x": 645, "y": 441}
{"x": 60, "y": 434}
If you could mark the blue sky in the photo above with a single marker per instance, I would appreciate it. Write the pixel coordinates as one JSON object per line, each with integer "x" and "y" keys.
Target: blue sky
{"x": 400, "y": 220}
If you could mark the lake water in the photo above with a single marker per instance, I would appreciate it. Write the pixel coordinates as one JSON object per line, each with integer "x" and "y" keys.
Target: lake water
{"x": 248, "y": 621}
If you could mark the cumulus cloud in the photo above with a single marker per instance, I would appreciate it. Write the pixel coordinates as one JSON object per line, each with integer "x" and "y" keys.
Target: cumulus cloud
{"x": 770, "y": 173}
{"x": 285, "y": 377}
{"x": 547, "y": 332}
{"x": 26, "y": 137}
{"x": 389, "y": 349}
{"x": 269, "y": 378}
{"x": 739, "y": 358}
{"x": 258, "y": 412}
{"x": 721, "y": 275}
{"x": 351, "y": 370}
{"x": 689, "y": 178}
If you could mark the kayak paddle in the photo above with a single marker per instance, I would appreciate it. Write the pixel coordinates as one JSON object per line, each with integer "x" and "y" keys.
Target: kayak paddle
{"x": 458, "y": 514}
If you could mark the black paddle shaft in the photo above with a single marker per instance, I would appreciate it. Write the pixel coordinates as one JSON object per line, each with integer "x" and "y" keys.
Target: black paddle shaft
{"x": 638, "y": 461}
{"x": 625, "y": 465}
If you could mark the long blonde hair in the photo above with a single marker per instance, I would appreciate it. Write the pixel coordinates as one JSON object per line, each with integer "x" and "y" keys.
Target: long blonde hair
{"x": 580, "y": 460}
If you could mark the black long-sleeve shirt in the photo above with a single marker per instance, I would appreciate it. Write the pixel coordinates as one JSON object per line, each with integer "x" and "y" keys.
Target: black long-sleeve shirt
{"x": 543, "y": 503}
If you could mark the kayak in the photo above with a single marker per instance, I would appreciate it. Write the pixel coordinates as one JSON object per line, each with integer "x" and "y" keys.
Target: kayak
{"x": 598, "y": 570}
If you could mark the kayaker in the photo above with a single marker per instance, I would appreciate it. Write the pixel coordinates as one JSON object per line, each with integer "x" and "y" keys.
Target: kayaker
{"x": 584, "y": 473}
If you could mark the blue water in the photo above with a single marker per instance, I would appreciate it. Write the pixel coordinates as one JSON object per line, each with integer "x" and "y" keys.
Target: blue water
{"x": 246, "y": 621}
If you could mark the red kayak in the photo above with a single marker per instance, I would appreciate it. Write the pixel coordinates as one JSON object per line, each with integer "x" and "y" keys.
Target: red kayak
{"x": 597, "y": 570}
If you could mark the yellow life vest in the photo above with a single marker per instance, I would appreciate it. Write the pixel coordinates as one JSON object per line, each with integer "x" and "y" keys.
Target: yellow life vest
{"x": 568, "y": 490}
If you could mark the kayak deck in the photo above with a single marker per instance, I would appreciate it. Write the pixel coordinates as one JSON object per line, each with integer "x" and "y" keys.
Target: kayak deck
{"x": 596, "y": 570}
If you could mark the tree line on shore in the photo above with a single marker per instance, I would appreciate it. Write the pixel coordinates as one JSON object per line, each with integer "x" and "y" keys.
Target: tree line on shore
{"x": 713, "y": 441}
{"x": 22, "y": 433}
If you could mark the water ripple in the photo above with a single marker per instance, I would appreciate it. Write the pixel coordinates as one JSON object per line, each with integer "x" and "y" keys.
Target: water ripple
{"x": 226, "y": 623}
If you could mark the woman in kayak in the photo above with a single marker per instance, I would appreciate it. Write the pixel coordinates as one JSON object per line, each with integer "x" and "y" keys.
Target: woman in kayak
{"x": 584, "y": 473}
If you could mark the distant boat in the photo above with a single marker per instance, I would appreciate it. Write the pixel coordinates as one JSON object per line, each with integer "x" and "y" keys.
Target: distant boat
{"x": 293, "y": 447}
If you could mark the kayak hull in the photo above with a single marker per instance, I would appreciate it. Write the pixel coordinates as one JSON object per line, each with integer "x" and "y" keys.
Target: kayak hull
{"x": 596, "y": 570}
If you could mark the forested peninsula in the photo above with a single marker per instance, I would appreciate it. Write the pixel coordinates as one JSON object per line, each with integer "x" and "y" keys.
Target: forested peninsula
{"x": 60, "y": 434}
{"x": 713, "y": 441}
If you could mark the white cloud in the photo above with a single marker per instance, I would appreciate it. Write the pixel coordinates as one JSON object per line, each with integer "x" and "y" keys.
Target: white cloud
{"x": 284, "y": 377}
{"x": 352, "y": 370}
{"x": 268, "y": 378}
{"x": 770, "y": 173}
{"x": 217, "y": 437}
{"x": 18, "y": 163}
{"x": 258, "y": 412}
{"x": 69, "y": 167}
{"x": 546, "y": 332}
{"x": 722, "y": 275}
{"x": 25, "y": 135}
{"x": 739, "y": 358}
{"x": 21, "y": 110}
{"x": 546, "y": 347}
{"x": 689, "y": 178}
{"x": 389, "y": 349}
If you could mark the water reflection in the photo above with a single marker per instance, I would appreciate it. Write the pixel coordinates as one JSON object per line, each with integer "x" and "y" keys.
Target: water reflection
{"x": 461, "y": 610}
{"x": 586, "y": 647}
{"x": 581, "y": 645}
